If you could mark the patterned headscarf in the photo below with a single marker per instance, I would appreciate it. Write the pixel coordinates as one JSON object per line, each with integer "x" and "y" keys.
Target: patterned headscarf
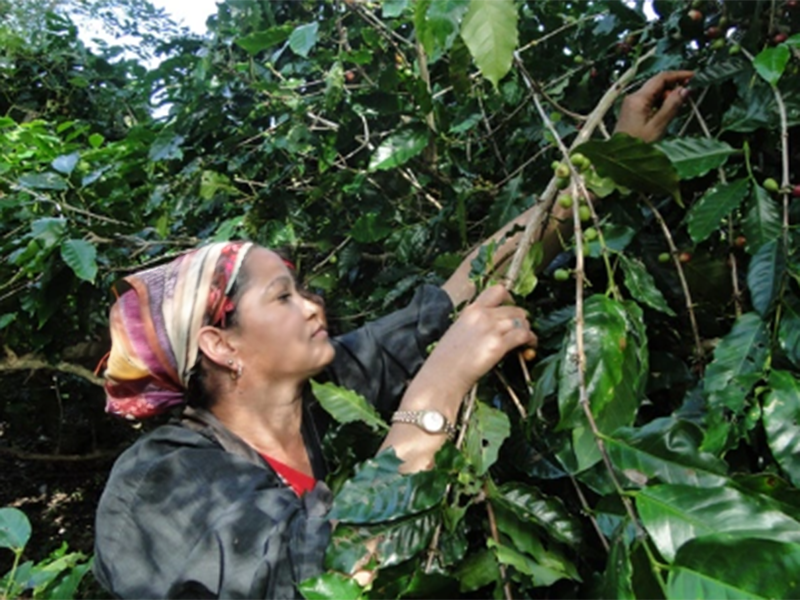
{"x": 155, "y": 325}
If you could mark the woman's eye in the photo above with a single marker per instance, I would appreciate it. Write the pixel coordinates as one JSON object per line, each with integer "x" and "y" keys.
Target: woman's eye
{"x": 285, "y": 296}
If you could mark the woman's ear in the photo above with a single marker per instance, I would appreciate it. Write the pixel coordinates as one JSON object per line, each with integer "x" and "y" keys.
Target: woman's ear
{"x": 213, "y": 343}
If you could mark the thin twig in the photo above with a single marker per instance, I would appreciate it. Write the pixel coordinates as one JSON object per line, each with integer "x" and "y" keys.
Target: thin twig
{"x": 496, "y": 538}
{"x": 589, "y": 513}
{"x": 673, "y": 250}
{"x": 737, "y": 293}
{"x": 522, "y": 412}
{"x": 30, "y": 362}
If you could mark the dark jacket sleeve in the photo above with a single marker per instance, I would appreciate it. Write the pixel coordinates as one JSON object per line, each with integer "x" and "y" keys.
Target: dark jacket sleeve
{"x": 379, "y": 359}
{"x": 182, "y": 518}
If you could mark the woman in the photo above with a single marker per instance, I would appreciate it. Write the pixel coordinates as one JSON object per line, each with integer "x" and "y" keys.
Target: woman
{"x": 230, "y": 500}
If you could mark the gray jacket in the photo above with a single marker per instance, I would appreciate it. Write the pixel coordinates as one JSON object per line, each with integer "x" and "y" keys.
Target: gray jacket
{"x": 191, "y": 511}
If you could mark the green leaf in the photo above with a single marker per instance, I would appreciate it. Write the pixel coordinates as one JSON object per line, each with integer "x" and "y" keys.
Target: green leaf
{"x": 543, "y": 575}
{"x": 707, "y": 213}
{"x": 789, "y": 329}
{"x": 488, "y": 428}
{"x": 665, "y": 449}
{"x": 723, "y": 568}
{"x": 717, "y": 72}
{"x": 43, "y": 181}
{"x": 477, "y": 571}
{"x": 330, "y": 586}
{"x": 617, "y": 582}
{"x": 694, "y": 157}
{"x": 632, "y": 163}
{"x": 770, "y": 63}
{"x": 379, "y": 492}
{"x": 750, "y": 112}
{"x": 303, "y": 38}
{"x": 81, "y": 257}
{"x": 96, "y": 140}
{"x": 527, "y": 280}
{"x": 398, "y": 149}
{"x": 66, "y": 163}
{"x": 371, "y": 227}
{"x": 7, "y": 319}
{"x": 764, "y": 275}
{"x": 437, "y": 24}
{"x": 346, "y": 405}
{"x": 254, "y": 43}
{"x": 167, "y": 146}
{"x": 742, "y": 352}
{"x": 762, "y": 222}
{"x": 489, "y": 30}
{"x": 393, "y": 8}
{"x": 15, "y": 529}
{"x": 615, "y": 346}
{"x": 212, "y": 182}
{"x": 49, "y": 230}
{"x": 781, "y": 415}
{"x": 642, "y": 286}
{"x": 675, "y": 514}
{"x": 533, "y": 507}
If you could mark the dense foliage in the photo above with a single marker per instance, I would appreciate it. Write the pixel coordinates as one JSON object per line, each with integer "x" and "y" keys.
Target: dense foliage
{"x": 652, "y": 449}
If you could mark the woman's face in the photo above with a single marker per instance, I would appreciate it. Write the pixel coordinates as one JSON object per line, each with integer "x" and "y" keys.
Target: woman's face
{"x": 281, "y": 333}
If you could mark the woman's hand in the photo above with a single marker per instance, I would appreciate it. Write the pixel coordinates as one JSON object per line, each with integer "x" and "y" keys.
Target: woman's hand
{"x": 484, "y": 332}
{"x": 646, "y": 113}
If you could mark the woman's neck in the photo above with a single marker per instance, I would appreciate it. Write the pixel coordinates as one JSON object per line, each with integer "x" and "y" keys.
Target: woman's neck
{"x": 269, "y": 420}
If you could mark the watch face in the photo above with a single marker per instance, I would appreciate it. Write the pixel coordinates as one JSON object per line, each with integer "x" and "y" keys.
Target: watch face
{"x": 432, "y": 421}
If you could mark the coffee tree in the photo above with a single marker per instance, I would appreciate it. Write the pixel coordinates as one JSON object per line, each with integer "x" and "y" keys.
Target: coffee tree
{"x": 649, "y": 449}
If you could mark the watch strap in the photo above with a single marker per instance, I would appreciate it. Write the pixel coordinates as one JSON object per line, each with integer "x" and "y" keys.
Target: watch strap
{"x": 414, "y": 417}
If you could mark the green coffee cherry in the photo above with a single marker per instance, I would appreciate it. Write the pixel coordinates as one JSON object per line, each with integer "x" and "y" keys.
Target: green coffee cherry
{"x": 664, "y": 257}
{"x": 565, "y": 201}
{"x": 771, "y": 185}
{"x": 735, "y": 49}
{"x": 562, "y": 183}
{"x": 561, "y": 275}
{"x": 590, "y": 234}
{"x": 585, "y": 214}
{"x": 562, "y": 171}
{"x": 580, "y": 161}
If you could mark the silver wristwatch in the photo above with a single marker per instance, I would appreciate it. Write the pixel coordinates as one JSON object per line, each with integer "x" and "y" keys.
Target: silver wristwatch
{"x": 431, "y": 421}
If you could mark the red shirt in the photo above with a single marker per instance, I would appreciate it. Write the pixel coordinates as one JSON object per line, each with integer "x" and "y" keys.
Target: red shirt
{"x": 298, "y": 481}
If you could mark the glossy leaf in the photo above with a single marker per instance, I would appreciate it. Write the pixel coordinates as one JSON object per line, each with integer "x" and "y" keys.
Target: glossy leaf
{"x": 391, "y": 543}
{"x": 81, "y": 257}
{"x": 371, "y": 227}
{"x": 254, "y": 43}
{"x": 541, "y": 574}
{"x": 633, "y": 164}
{"x": 379, "y": 492}
{"x": 526, "y": 281}
{"x": 642, "y": 286}
{"x": 15, "y": 529}
{"x": 477, "y": 571}
{"x": 764, "y": 276}
{"x": 719, "y": 71}
{"x": 667, "y": 450}
{"x": 694, "y": 157}
{"x": 719, "y": 567}
{"x": 675, "y": 514}
{"x": 66, "y": 162}
{"x": 43, "y": 181}
{"x": 615, "y": 346}
{"x": 489, "y": 30}
{"x": 531, "y": 506}
{"x": 741, "y": 352}
{"x": 789, "y": 329}
{"x": 781, "y": 416}
{"x": 49, "y": 230}
{"x": 488, "y": 429}
{"x": 346, "y": 406}
{"x": 707, "y": 213}
{"x": 762, "y": 222}
{"x": 770, "y": 63}
{"x": 330, "y": 586}
{"x": 303, "y": 38}
{"x": 437, "y": 24}
{"x": 619, "y": 572}
{"x": 398, "y": 149}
